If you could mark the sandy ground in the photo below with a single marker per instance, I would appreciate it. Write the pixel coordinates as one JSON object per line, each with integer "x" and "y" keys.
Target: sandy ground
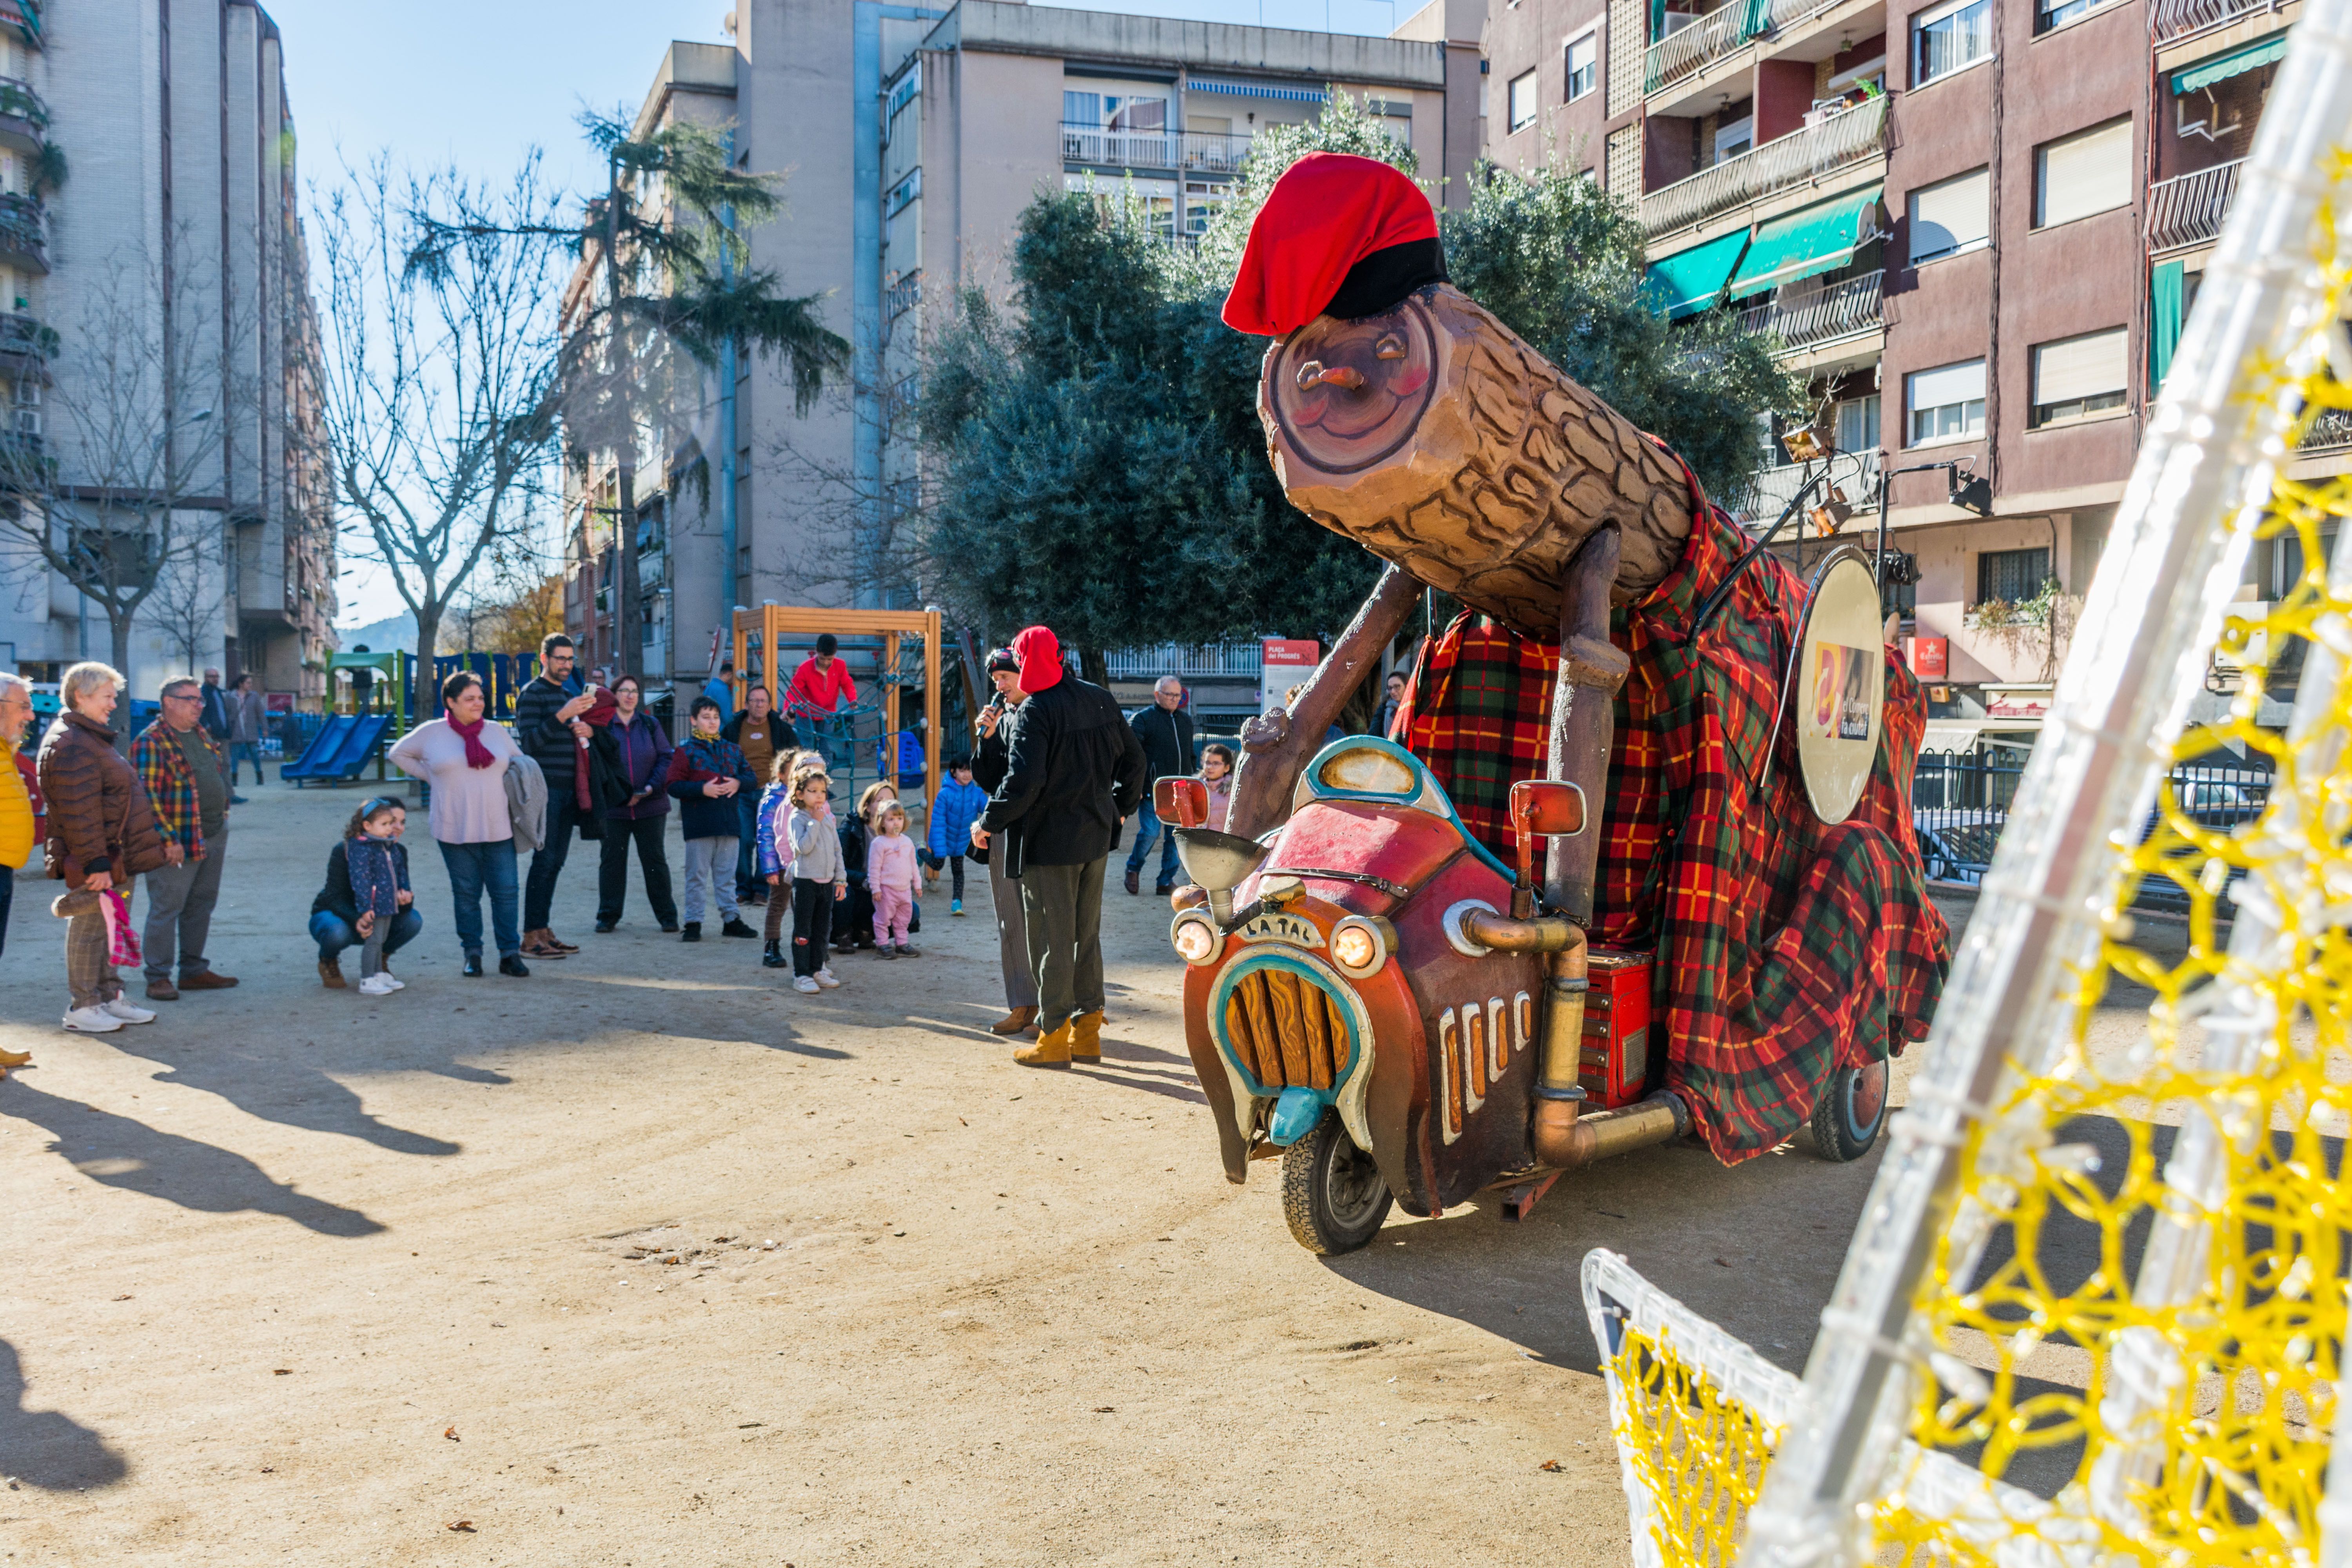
{"x": 307, "y": 1277}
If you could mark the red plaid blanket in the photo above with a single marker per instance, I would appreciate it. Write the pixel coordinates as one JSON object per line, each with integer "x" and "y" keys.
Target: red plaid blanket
{"x": 1787, "y": 948}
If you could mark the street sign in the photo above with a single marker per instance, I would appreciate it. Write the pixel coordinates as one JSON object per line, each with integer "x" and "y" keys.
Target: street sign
{"x": 1283, "y": 663}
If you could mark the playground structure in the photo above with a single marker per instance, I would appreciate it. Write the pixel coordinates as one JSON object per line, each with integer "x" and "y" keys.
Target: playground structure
{"x": 761, "y": 639}
{"x": 2123, "y": 1259}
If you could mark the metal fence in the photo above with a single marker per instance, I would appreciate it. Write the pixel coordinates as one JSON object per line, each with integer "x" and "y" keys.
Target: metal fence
{"x": 1960, "y": 802}
{"x": 1217, "y": 661}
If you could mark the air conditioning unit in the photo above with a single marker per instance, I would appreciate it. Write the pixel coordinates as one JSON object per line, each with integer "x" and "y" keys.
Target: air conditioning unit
{"x": 28, "y": 422}
{"x": 28, "y": 392}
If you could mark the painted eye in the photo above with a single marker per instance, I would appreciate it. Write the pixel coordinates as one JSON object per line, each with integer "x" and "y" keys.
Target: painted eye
{"x": 1355, "y": 948}
{"x": 1391, "y": 346}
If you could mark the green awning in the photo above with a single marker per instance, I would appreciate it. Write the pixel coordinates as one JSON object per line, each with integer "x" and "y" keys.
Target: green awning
{"x": 1689, "y": 281}
{"x": 2221, "y": 67}
{"x": 2167, "y": 285}
{"x": 1815, "y": 239}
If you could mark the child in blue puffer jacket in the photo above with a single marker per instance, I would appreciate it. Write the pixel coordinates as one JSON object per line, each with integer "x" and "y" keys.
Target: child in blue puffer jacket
{"x": 958, "y": 806}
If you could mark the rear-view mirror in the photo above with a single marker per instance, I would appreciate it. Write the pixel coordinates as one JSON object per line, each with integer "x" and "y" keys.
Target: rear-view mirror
{"x": 1182, "y": 802}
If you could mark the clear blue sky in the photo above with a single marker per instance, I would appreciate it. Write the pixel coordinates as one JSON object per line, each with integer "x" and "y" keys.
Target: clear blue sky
{"x": 478, "y": 82}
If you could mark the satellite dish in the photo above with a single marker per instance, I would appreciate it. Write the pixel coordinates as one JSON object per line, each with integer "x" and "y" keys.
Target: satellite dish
{"x": 1837, "y": 684}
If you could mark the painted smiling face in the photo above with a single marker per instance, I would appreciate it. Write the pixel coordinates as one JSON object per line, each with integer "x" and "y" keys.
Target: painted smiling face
{"x": 1348, "y": 394}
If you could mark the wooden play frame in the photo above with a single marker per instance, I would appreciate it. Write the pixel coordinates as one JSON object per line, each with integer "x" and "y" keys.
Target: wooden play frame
{"x": 770, "y": 620}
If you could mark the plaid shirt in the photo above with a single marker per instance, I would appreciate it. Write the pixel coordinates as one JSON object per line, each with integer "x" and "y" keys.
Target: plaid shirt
{"x": 171, "y": 786}
{"x": 1787, "y": 947}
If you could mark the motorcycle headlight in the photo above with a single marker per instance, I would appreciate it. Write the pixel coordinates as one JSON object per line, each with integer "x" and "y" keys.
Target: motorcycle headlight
{"x": 1197, "y": 940}
{"x": 1359, "y": 946}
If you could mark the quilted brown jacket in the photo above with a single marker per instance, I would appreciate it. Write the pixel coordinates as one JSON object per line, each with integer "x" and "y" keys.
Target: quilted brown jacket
{"x": 100, "y": 816}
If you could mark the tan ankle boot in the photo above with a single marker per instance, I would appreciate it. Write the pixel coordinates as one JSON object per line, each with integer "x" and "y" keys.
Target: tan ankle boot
{"x": 1052, "y": 1050}
{"x": 1020, "y": 1021}
{"x": 1086, "y": 1037}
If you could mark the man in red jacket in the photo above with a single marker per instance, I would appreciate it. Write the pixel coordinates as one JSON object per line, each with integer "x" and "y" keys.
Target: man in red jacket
{"x": 818, "y": 688}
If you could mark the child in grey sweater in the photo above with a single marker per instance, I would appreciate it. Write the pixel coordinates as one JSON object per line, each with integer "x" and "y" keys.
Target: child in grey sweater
{"x": 818, "y": 880}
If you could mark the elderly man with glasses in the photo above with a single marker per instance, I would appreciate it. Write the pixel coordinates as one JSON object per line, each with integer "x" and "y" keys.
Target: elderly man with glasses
{"x": 186, "y": 774}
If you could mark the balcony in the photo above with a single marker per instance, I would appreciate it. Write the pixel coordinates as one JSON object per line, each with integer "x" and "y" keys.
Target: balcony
{"x": 2168, "y": 20}
{"x": 2330, "y": 431}
{"x": 1769, "y": 491}
{"x": 23, "y": 229}
{"x": 1838, "y": 140}
{"x": 2190, "y": 209}
{"x": 1808, "y": 319}
{"x": 24, "y": 341}
{"x": 1193, "y": 152}
{"x": 24, "y": 117}
{"x": 1716, "y": 36}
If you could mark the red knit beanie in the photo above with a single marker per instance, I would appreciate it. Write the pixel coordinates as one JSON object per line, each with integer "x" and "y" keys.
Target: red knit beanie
{"x": 1040, "y": 653}
{"x": 1328, "y": 212}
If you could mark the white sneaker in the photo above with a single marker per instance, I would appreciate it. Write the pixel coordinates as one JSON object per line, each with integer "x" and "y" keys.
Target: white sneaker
{"x": 391, "y": 982}
{"x": 804, "y": 983}
{"x": 379, "y": 985}
{"x": 92, "y": 1021}
{"x": 121, "y": 1008}
{"x": 825, "y": 977}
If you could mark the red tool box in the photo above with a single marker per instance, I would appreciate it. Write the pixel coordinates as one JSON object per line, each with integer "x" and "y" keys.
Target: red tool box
{"x": 1615, "y": 1068}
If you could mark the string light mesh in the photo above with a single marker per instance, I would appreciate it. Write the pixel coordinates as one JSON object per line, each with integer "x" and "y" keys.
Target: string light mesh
{"x": 2140, "y": 1304}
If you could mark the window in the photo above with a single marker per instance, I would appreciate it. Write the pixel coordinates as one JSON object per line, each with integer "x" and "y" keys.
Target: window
{"x": 1523, "y": 100}
{"x": 1583, "y": 66}
{"x": 2089, "y": 172}
{"x": 1950, "y": 37}
{"x": 2012, "y": 576}
{"x": 1857, "y": 425}
{"x": 1734, "y": 137}
{"x": 1946, "y": 403}
{"x": 1950, "y": 216}
{"x": 2076, "y": 376}
{"x": 2060, "y": 12}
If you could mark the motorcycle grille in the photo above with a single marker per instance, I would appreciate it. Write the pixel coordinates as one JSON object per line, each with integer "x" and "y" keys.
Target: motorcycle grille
{"x": 1287, "y": 1030}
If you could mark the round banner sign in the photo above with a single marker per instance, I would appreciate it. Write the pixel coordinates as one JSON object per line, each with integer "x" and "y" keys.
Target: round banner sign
{"x": 1839, "y": 685}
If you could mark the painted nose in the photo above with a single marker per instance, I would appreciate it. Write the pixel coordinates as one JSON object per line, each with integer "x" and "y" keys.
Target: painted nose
{"x": 1313, "y": 373}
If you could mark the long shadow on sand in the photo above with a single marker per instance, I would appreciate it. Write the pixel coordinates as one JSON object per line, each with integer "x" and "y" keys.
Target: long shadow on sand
{"x": 47, "y": 1449}
{"x": 121, "y": 1153}
{"x": 279, "y": 1086}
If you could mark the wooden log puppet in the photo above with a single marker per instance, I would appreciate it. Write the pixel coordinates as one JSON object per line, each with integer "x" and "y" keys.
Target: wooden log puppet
{"x": 1399, "y": 413}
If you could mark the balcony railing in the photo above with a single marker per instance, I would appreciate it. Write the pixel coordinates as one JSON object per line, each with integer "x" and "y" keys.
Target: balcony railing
{"x": 2330, "y": 431}
{"x": 1850, "y": 136}
{"x": 2170, "y": 20}
{"x": 24, "y": 231}
{"x": 1768, "y": 491}
{"x": 1688, "y": 51}
{"x": 22, "y": 337}
{"x": 1196, "y": 151}
{"x": 2188, "y": 209}
{"x": 1218, "y": 661}
{"x": 1802, "y": 320}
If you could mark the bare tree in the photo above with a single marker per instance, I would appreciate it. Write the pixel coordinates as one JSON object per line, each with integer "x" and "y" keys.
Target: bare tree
{"x": 116, "y": 483}
{"x": 186, "y": 601}
{"x": 438, "y": 384}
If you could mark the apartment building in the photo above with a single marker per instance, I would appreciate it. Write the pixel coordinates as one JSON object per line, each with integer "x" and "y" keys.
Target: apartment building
{"x": 151, "y": 214}
{"x": 913, "y": 136}
{"x": 1975, "y": 228}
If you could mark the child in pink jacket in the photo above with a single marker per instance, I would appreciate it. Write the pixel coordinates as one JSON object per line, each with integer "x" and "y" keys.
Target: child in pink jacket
{"x": 892, "y": 876}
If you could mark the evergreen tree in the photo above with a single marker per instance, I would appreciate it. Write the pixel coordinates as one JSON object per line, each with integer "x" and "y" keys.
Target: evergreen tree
{"x": 1097, "y": 460}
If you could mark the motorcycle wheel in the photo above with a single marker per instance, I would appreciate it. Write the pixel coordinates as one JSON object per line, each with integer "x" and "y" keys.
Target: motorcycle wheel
{"x": 1852, "y": 1113}
{"x": 1332, "y": 1193}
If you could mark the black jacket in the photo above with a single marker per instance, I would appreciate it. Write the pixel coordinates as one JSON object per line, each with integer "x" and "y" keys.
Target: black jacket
{"x": 1167, "y": 740}
{"x": 1072, "y": 770}
{"x": 546, "y": 743}
{"x": 337, "y": 897}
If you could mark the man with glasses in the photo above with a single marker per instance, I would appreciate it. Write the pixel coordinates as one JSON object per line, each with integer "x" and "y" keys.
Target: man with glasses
{"x": 185, "y": 772}
{"x": 548, "y": 726}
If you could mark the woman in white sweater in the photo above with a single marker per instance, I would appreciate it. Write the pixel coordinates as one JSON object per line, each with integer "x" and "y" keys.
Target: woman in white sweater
{"x": 465, "y": 757}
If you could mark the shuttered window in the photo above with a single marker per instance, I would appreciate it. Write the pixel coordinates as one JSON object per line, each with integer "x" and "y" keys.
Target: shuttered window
{"x": 1950, "y": 216}
{"x": 1948, "y": 402}
{"x": 1583, "y": 66}
{"x": 2076, "y": 376}
{"x": 2089, "y": 172}
{"x": 1523, "y": 100}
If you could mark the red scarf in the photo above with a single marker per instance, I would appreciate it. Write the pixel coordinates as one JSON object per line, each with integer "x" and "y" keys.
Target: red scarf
{"x": 599, "y": 712}
{"x": 477, "y": 755}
